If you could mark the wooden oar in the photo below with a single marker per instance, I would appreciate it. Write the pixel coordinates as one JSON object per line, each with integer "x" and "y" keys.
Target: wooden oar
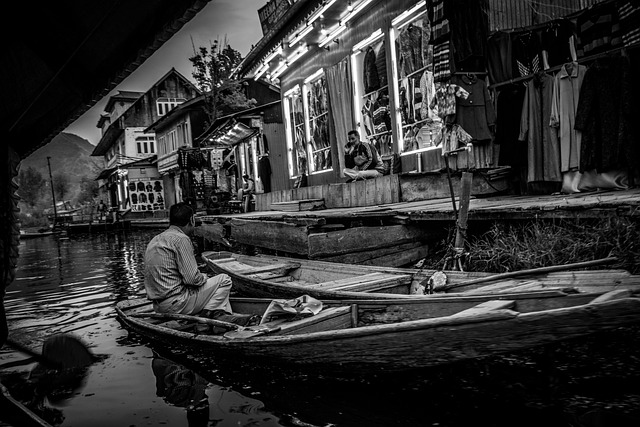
{"x": 58, "y": 352}
{"x": 532, "y": 271}
{"x": 197, "y": 319}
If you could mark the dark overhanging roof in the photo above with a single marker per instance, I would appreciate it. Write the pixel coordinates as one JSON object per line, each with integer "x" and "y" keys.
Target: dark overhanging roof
{"x": 71, "y": 54}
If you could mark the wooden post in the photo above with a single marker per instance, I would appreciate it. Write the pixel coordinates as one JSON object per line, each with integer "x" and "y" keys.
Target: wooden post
{"x": 463, "y": 213}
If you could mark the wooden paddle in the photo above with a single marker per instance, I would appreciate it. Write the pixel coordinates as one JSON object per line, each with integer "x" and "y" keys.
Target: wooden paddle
{"x": 532, "y": 271}
{"x": 60, "y": 351}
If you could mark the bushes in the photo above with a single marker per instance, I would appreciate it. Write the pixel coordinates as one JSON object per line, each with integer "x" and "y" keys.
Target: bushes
{"x": 510, "y": 247}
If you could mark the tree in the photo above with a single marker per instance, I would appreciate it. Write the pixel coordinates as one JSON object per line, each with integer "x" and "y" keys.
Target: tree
{"x": 30, "y": 183}
{"x": 61, "y": 185}
{"x": 213, "y": 71}
{"x": 88, "y": 190}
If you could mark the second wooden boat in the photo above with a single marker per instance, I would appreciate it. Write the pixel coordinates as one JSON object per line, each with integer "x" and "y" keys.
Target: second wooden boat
{"x": 266, "y": 276}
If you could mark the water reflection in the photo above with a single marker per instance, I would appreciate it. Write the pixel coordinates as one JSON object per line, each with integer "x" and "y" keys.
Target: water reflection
{"x": 182, "y": 387}
{"x": 72, "y": 285}
{"x": 205, "y": 402}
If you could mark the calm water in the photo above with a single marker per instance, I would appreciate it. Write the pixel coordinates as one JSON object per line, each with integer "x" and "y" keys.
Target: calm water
{"x": 71, "y": 285}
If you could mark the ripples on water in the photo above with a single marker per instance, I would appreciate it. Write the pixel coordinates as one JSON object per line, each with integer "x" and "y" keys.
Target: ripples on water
{"x": 71, "y": 285}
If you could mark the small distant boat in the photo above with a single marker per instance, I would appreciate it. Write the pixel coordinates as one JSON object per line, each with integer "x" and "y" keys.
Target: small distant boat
{"x": 32, "y": 234}
{"x": 266, "y": 276}
{"x": 373, "y": 336}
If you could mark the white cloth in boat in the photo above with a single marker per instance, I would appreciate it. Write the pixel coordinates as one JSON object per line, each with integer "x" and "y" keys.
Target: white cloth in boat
{"x": 303, "y": 306}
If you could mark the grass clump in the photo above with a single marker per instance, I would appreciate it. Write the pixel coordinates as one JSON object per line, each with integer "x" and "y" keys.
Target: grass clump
{"x": 517, "y": 246}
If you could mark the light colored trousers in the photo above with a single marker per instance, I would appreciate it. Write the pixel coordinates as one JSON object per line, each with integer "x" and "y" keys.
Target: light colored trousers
{"x": 356, "y": 174}
{"x": 213, "y": 295}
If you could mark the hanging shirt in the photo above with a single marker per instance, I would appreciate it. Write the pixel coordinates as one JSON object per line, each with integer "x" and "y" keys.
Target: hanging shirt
{"x": 475, "y": 113}
{"x": 564, "y": 104}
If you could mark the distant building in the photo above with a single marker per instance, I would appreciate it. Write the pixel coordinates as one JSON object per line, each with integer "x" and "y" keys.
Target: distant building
{"x": 130, "y": 180}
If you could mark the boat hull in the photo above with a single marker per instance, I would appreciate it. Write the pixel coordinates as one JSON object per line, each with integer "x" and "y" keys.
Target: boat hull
{"x": 410, "y": 345}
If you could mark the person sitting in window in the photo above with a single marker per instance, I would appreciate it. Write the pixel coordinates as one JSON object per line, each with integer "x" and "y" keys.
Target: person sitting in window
{"x": 362, "y": 157}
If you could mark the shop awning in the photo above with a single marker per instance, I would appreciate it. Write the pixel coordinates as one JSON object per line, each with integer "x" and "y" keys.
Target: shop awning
{"x": 105, "y": 173}
{"x": 229, "y": 134}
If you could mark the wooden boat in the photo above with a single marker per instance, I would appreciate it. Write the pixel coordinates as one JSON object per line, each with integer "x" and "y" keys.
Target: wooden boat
{"x": 266, "y": 276}
{"x": 26, "y": 234}
{"x": 377, "y": 336}
{"x": 14, "y": 413}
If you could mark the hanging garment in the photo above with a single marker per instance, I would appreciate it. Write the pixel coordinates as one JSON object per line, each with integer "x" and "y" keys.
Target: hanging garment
{"x": 475, "y": 113}
{"x": 566, "y": 93}
{"x": 445, "y": 98}
{"x": 607, "y": 116}
{"x": 381, "y": 64}
{"x": 410, "y": 140}
{"x": 370, "y": 71}
{"x": 381, "y": 116}
{"x": 557, "y": 42}
{"x": 439, "y": 21}
{"x": 543, "y": 150}
{"x": 441, "y": 62}
{"x": 469, "y": 28}
{"x": 526, "y": 53}
{"x": 598, "y": 29}
{"x": 428, "y": 109}
{"x": 629, "y": 12}
{"x": 367, "y": 116}
{"x": 453, "y": 138}
{"x": 413, "y": 40}
{"x": 499, "y": 57}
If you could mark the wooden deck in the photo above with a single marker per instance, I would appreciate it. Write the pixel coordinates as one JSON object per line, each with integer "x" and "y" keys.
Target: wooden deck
{"x": 596, "y": 204}
{"x": 399, "y": 233}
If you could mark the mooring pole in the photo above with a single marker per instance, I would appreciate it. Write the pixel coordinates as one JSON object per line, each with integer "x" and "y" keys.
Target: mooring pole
{"x": 465, "y": 195}
{"x": 53, "y": 194}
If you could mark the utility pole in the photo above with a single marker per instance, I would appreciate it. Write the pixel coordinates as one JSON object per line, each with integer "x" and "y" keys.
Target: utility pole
{"x": 53, "y": 194}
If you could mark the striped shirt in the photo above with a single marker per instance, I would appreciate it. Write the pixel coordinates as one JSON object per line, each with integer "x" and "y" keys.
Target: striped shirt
{"x": 170, "y": 264}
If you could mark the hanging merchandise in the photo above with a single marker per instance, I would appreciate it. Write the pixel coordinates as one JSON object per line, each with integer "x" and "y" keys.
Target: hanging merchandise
{"x": 526, "y": 53}
{"x": 607, "y": 116}
{"x": 445, "y": 99}
{"x": 557, "y": 43}
{"x": 469, "y": 29}
{"x": 629, "y": 22}
{"x": 370, "y": 71}
{"x": 543, "y": 150}
{"x": 566, "y": 93}
{"x": 454, "y": 138}
{"x": 475, "y": 112}
{"x": 499, "y": 57}
{"x": 598, "y": 29}
{"x": 440, "y": 38}
{"x": 146, "y": 195}
{"x": 413, "y": 47}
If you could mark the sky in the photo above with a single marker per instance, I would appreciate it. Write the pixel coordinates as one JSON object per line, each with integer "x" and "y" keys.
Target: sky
{"x": 236, "y": 19}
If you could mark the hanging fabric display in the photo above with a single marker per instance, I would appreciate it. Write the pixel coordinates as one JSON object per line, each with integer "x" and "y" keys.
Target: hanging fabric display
{"x": 469, "y": 29}
{"x": 146, "y": 195}
{"x": 543, "y": 149}
{"x": 606, "y": 116}
{"x": 566, "y": 93}
{"x": 475, "y": 112}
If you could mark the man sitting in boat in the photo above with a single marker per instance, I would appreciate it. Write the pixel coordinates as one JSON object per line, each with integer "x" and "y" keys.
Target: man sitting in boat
{"x": 172, "y": 279}
{"x": 361, "y": 158}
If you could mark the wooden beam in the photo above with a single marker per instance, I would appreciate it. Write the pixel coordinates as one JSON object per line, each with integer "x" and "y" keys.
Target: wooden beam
{"x": 280, "y": 236}
{"x": 363, "y": 239}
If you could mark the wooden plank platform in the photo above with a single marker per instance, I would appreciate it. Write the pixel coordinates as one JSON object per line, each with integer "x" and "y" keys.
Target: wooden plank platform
{"x": 397, "y": 234}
